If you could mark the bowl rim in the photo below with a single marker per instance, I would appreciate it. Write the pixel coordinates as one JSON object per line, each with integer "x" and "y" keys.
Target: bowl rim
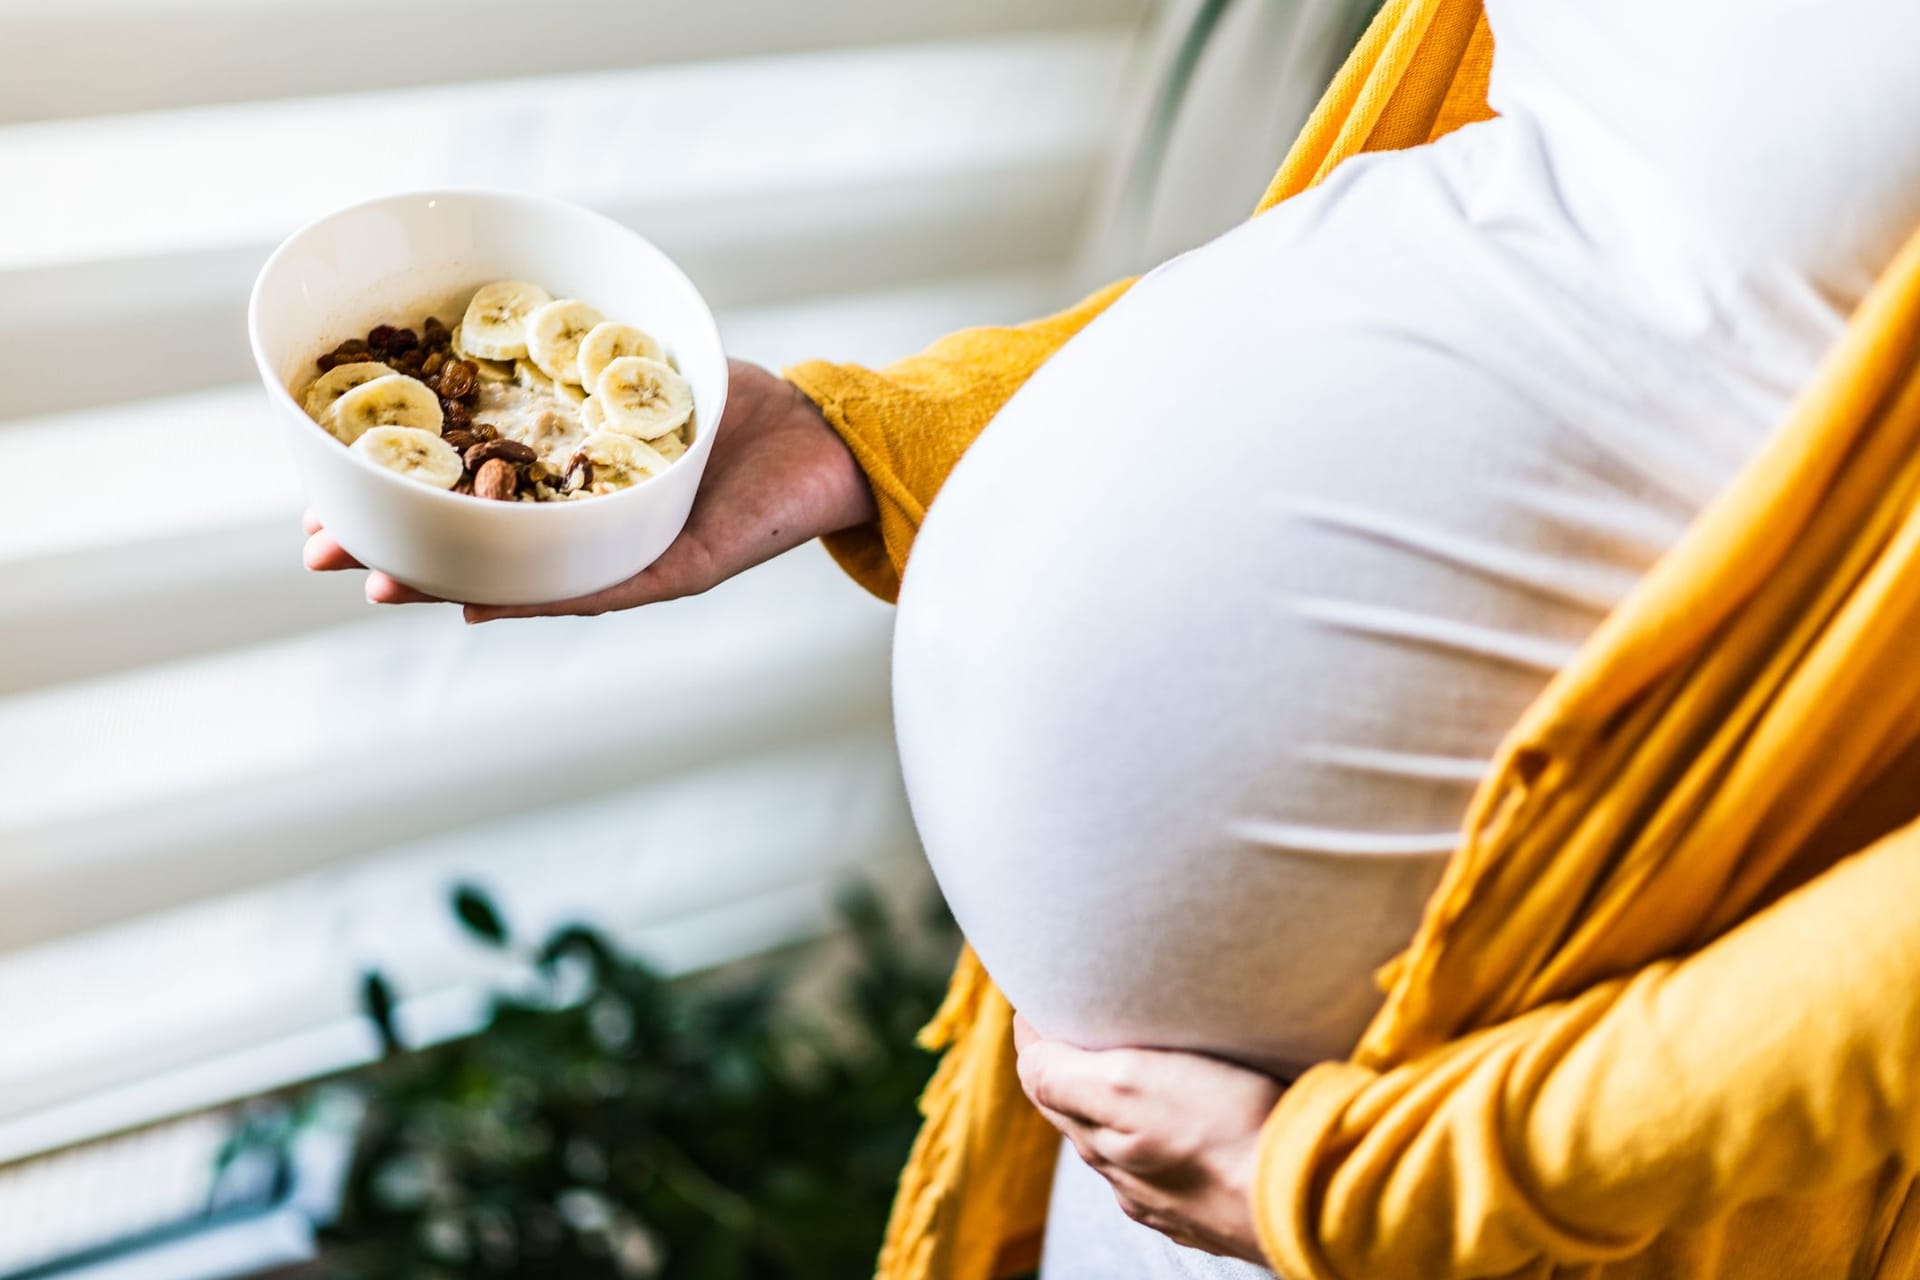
{"x": 703, "y": 439}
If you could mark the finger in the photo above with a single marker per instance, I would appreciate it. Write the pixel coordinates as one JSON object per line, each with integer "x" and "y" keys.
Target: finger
{"x": 1142, "y": 1198}
{"x": 1156, "y": 1211}
{"x": 1078, "y": 1132}
{"x": 1023, "y": 1033}
{"x": 1112, "y": 1154}
{"x": 1145, "y": 1204}
{"x": 309, "y": 522}
{"x": 1062, "y": 1078}
{"x": 643, "y": 588}
{"x": 1122, "y": 1116}
{"x": 323, "y": 554}
{"x": 384, "y": 590}
{"x": 1167, "y": 1206}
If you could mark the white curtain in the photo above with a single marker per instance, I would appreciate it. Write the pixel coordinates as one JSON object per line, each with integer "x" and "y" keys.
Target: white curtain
{"x": 227, "y": 785}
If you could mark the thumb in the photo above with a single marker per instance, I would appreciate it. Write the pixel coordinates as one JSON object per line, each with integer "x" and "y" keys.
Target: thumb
{"x": 1023, "y": 1032}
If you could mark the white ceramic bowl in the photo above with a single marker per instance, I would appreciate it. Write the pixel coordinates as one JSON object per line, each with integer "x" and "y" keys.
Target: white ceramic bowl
{"x": 399, "y": 259}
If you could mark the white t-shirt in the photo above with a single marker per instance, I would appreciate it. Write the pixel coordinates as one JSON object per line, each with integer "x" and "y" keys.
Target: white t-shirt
{"x": 1207, "y": 641}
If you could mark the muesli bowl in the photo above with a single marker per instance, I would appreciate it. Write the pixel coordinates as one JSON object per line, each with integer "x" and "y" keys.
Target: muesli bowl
{"x": 398, "y": 259}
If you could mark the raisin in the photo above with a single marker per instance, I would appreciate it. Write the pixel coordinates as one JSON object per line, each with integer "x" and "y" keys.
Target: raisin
{"x": 434, "y": 362}
{"x": 460, "y": 440}
{"x": 454, "y": 413}
{"x": 458, "y": 379}
{"x": 385, "y": 339}
{"x": 507, "y": 450}
{"x": 351, "y": 347}
{"x": 486, "y": 431}
{"x": 435, "y": 334}
{"x": 537, "y": 473}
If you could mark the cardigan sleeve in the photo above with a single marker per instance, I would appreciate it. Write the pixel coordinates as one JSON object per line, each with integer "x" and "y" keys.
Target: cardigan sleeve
{"x": 1777, "y": 1059}
{"x": 909, "y": 423}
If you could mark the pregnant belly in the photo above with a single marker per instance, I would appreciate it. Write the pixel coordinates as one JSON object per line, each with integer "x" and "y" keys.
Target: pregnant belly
{"x": 1205, "y": 644}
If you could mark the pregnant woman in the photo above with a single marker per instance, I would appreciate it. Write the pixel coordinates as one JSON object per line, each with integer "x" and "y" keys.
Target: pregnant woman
{"x": 1210, "y": 635}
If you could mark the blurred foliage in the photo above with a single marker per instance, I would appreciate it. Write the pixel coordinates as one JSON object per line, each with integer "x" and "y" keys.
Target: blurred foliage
{"x": 611, "y": 1123}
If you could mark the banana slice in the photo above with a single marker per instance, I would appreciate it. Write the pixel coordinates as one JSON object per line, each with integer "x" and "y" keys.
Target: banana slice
{"x": 495, "y": 325}
{"x": 337, "y": 381}
{"x": 592, "y": 416}
{"x": 491, "y": 370}
{"x": 669, "y": 446}
{"x": 570, "y": 394}
{"x": 529, "y": 375}
{"x": 620, "y": 460}
{"x": 554, "y": 332}
{"x": 643, "y": 398}
{"x": 391, "y": 401}
{"x": 416, "y": 454}
{"x": 607, "y": 342}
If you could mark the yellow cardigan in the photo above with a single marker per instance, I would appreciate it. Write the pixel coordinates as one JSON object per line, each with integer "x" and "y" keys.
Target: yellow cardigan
{"x": 1662, "y": 1018}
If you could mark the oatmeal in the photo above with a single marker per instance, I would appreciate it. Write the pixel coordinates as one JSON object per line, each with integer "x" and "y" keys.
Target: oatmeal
{"x": 527, "y": 399}
{"x": 547, "y": 423}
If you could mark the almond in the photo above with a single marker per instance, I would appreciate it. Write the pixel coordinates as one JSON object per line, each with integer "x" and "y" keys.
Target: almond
{"x": 496, "y": 479}
{"x": 579, "y": 474}
{"x": 510, "y": 450}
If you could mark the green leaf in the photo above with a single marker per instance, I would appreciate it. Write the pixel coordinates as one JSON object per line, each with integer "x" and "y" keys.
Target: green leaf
{"x": 478, "y": 914}
{"x": 747, "y": 1125}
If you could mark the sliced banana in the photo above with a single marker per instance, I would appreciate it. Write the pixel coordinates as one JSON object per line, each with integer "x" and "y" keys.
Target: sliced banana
{"x": 554, "y": 332}
{"x": 391, "y": 401}
{"x": 620, "y": 460}
{"x": 592, "y": 416}
{"x": 491, "y": 370}
{"x": 418, "y": 455}
{"x": 495, "y": 325}
{"x": 532, "y": 377}
{"x": 643, "y": 398}
{"x": 607, "y": 342}
{"x": 337, "y": 381}
{"x": 669, "y": 446}
{"x": 570, "y": 394}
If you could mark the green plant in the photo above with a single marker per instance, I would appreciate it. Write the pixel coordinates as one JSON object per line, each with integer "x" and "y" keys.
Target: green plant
{"x": 612, "y": 1123}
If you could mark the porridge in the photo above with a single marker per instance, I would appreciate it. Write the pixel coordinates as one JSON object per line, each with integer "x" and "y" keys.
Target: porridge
{"x": 527, "y": 399}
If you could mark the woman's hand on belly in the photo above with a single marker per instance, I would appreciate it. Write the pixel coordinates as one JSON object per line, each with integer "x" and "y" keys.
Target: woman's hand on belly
{"x": 1177, "y": 1135}
{"x": 778, "y": 476}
